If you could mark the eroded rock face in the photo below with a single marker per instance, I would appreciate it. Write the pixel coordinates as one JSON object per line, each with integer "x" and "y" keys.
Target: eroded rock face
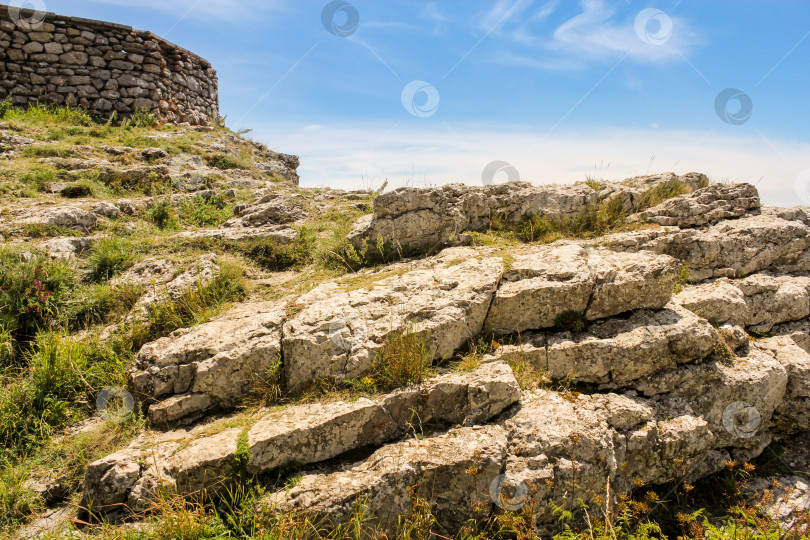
{"x": 734, "y": 248}
{"x": 340, "y": 329}
{"x": 704, "y": 206}
{"x": 283, "y": 234}
{"x": 147, "y": 272}
{"x": 221, "y": 360}
{"x": 617, "y": 351}
{"x": 417, "y": 220}
{"x": 546, "y": 282}
{"x": 68, "y": 217}
{"x": 453, "y": 471}
{"x": 758, "y": 302}
{"x": 206, "y": 459}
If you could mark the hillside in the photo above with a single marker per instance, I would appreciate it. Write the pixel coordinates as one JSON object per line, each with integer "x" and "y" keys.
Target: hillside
{"x": 193, "y": 346}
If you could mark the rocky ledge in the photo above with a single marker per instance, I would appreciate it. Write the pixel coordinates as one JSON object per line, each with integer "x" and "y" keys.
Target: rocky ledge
{"x": 648, "y": 347}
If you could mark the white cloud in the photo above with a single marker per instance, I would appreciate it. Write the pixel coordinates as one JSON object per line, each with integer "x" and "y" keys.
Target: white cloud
{"x": 597, "y": 33}
{"x": 364, "y": 157}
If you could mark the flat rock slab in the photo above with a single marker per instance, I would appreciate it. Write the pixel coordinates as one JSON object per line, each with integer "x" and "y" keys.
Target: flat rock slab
{"x": 283, "y": 234}
{"x": 617, "y": 351}
{"x": 342, "y": 326}
{"x": 757, "y": 302}
{"x": 567, "y": 448}
{"x": 204, "y": 458}
{"x": 211, "y": 365}
{"x": 452, "y": 471}
{"x": 734, "y": 248}
{"x": 546, "y": 282}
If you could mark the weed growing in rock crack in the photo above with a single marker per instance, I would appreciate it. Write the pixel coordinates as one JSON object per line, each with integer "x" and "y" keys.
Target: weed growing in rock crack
{"x": 193, "y": 307}
{"x": 270, "y": 254}
{"x": 224, "y": 163}
{"x": 403, "y": 359}
{"x": 570, "y": 321}
{"x": 722, "y": 350}
{"x": 682, "y": 280}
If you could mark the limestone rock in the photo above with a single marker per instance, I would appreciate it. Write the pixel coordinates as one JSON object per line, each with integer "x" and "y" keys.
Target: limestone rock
{"x": 704, "y": 206}
{"x": 147, "y": 272}
{"x": 453, "y": 471}
{"x": 283, "y": 234}
{"x": 279, "y": 211}
{"x": 414, "y": 220}
{"x": 107, "y": 210}
{"x": 199, "y": 274}
{"x": 546, "y": 282}
{"x": 68, "y": 248}
{"x": 759, "y": 301}
{"x": 617, "y": 351}
{"x": 69, "y": 217}
{"x": 222, "y": 360}
{"x": 341, "y": 328}
{"x": 307, "y": 433}
{"x": 734, "y": 248}
{"x": 793, "y": 414}
{"x": 742, "y": 399}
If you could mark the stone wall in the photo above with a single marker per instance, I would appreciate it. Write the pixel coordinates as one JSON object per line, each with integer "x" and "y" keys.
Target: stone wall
{"x": 103, "y": 67}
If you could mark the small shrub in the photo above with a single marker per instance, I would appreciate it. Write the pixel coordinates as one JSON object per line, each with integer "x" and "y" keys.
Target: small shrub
{"x": 17, "y": 501}
{"x": 683, "y": 279}
{"x": 275, "y": 256}
{"x": 203, "y": 213}
{"x": 162, "y": 214}
{"x": 108, "y": 258}
{"x": 223, "y": 162}
{"x": 141, "y": 118}
{"x": 5, "y": 107}
{"x": 76, "y": 190}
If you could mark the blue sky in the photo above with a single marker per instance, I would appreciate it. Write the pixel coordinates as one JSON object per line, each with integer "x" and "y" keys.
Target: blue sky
{"x": 559, "y": 89}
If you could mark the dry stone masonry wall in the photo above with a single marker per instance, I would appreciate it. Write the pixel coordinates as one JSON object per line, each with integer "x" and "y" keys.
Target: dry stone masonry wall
{"x": 102, "y": 67}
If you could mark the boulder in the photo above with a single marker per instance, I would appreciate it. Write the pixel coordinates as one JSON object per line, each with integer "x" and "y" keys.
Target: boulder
{"x": 415, "y": 220}
{"x": 68, "y": 248}
{"x": 546, "y": 282}
{"x": 147, "y": 272}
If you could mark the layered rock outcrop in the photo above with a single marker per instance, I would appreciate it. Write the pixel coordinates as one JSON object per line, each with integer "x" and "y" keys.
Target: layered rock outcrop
{"x": 625, "y": 382}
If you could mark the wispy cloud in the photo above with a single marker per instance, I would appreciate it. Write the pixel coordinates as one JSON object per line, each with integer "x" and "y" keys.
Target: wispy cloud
{"x": 597, "y": 33}
{"x": 432, "y": 14}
